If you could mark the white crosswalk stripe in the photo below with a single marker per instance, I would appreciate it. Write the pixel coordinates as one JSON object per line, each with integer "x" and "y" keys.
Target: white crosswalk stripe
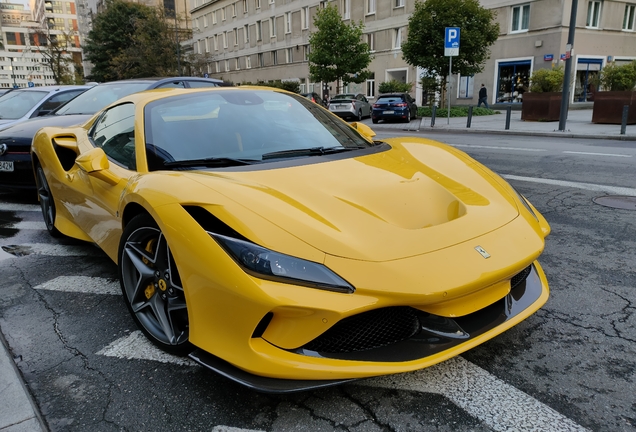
{"x": 49, "y": 249}
{"x": 28, "y": 225}
{"x": 82, "y": 284}
{"x": 137, "y": 346}
{"x": 19, "y": 207}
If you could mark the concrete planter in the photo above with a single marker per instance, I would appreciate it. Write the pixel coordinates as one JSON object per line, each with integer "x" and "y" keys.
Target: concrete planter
{"x": 541, "y": 106}
{"x": 608, "y": 107}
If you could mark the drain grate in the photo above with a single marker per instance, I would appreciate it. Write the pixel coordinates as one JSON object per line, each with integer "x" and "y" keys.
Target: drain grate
{"x": 617, "y": 201}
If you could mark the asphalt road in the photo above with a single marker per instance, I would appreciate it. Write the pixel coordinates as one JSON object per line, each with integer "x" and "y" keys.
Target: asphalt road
{"x": 568, "y": 367}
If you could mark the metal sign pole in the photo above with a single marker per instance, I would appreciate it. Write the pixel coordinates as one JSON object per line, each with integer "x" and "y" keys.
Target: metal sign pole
{"x": 449, "y": 86}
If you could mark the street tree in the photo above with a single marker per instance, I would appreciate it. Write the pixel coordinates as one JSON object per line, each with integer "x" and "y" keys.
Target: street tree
{"x": 55, "y": 51}
{"x": 425, "y": 44}
{"x": 131, "y": 40}
{"x": 336, "y": 51}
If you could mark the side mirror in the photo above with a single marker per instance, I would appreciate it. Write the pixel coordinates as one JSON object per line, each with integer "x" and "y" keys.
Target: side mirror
{"x": 95, "y": 163}
{"x": 365, "y": 130}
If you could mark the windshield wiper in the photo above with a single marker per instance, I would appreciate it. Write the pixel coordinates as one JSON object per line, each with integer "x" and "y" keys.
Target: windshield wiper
{"x": 209, "y": 162}
{"x": 312, "y": 151}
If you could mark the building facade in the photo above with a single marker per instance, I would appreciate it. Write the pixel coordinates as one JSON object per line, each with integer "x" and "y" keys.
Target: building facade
{"x": 262, "y": 40}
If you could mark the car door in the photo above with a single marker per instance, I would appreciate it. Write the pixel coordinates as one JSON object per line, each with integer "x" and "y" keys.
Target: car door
{"x": 114, "y": 134}
{"x": 366, "y": 107}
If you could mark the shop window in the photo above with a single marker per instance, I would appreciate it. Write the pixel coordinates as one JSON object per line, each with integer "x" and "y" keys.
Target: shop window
{"x": 466, "y": 86}
{"x": 628, "y": 18}
{"x": 520, "y": 18}
{"x": 513, "y": 81}
{"x": 593, "y": 14}
{"x": 587, "y": 71}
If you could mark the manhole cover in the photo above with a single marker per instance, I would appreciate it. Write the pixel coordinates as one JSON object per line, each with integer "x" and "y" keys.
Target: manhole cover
{"x": 616, "y": 201}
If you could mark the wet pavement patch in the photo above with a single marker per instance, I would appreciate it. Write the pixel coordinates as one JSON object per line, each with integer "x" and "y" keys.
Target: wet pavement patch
{"x": 617, "y": 201}
{"x": 7, "y": 219}
{"x": 18, "y": 250}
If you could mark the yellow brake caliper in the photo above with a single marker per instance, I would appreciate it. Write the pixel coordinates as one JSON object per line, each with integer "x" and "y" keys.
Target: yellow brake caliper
{"x": 150, "y": 289}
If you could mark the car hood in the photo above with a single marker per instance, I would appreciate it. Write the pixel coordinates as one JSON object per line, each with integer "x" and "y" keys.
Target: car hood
{"x": 416, "y": 197}
{"x": 23, "y": 133}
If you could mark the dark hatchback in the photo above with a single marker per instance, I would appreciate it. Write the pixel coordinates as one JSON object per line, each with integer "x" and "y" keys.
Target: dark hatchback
{"x": 394, "y": 106}
{"x": 16, "y": 171}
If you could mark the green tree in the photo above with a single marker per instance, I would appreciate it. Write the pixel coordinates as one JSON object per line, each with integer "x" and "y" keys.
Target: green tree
{"x": 618, "y": 78}
{"x": 54, "y": 49}
{"x": 130, "y": 40}
{"x": 425, "y": 44}
{"x": 337, "y": 52}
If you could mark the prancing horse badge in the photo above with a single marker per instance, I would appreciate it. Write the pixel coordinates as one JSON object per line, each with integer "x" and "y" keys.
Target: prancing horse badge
{"x": 482, "y": 252}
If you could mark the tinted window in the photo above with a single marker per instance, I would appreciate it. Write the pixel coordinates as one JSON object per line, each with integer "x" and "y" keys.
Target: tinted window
{"x": 114, "y": 132}
{"x": 100, "y": 96}
{"x": 57, "y": 101}
{"x": 172, "y": 84}
{"x": 198, "y": 84}
{"x": 17, "y": 103}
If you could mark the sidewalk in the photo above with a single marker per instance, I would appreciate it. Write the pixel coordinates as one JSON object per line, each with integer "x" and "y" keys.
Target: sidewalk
{"x": 18, "y": 412}
{"x": 579, "y": 125}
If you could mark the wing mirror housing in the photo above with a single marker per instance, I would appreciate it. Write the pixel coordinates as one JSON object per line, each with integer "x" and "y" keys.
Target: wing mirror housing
{"x": 95, "y": 163}
{"x": 365, "y": 130}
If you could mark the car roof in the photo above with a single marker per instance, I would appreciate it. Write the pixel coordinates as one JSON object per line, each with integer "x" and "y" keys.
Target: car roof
{"x": 392, "y": 95}
{"x": 162, "y": 80}
{"x": 53, "y": 88}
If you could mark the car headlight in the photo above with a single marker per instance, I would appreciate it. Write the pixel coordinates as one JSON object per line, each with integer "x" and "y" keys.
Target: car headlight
{"x": 525, "y": 203}
{"x": 266, "y": 264}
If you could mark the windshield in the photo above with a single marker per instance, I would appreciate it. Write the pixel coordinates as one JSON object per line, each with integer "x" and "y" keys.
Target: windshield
{"x": 242, "y": 124}
{"x": 17, "y": 103}
{"x": 96, "y": 98}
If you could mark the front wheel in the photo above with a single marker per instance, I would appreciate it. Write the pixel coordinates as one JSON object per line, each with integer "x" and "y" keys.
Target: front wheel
{"x": 47, "y": 204}
{"x": 152, "y": 287}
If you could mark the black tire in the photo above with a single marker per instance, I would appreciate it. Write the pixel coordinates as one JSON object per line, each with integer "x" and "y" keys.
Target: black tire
{"x": 375, "y": 121}
{"x": 151, "y": 286}
{"x": 359, "y": 115}
{"x": 408, "y": 117}
{"x": 47, "y": 203}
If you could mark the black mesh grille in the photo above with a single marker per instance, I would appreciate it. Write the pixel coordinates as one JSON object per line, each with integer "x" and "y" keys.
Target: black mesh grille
{"x": 368, "y": 330}
{"x": 519, "y": 277}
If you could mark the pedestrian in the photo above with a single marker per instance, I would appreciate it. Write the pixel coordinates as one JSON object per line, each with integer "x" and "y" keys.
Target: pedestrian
{"x": 483, "y": 97}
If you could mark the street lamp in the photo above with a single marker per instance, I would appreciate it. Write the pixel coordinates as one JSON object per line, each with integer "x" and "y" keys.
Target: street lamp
{"x": 13, "y": 73}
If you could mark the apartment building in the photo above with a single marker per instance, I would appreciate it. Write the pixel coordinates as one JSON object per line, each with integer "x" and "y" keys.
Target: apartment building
{"x": 261, "y": 40}
{"x": 21, "y": 63}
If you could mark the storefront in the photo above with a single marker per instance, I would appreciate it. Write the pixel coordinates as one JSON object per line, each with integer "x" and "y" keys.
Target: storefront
{"x": 587, "y": 70}
{"x": 513, "y": 80}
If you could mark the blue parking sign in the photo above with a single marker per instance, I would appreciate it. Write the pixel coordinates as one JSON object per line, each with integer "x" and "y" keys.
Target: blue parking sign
{"x": 451, "y": 41}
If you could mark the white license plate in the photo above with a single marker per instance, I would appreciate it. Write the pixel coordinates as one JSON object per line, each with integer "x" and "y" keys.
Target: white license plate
{"x": 6, "y": 166}
{"x": 388, "y": 112}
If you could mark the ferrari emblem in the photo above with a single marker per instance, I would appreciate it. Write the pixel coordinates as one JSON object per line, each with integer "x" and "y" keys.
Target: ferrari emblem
{"x": 482, "y": 252}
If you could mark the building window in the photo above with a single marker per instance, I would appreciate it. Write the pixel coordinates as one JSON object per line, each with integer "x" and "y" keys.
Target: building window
{"x": 271, "y": 1}
{"x": 628, "y": 19}
{"x": 227, "y": 65}
{"x": 397, "y": 38}
{"x": 272, "y": 27}
{"x": 260, "y": 60}
{"x": 520, "y": 18}
{"x": 216, "y": 42}
{"x": 222, "y": 14}
{"x": 399, "y": 3}
{"x": 244, "y": 6}
{"x": 346, "y": 9}
{"x": 274, "y": 57}
{"x": 370, "y": 40}
{"x": 235, "y": 36}
{"x": 248, "y": 62}
{"x": 371, "y": 86}
{"x": 233, "y": 9}
{"x": 289, "y": 55}
{"x": 246, "y": 34}
{"x": 304, "y": 17}
{"x": 224, "y": 39}
{"x": 259, "y": 30}
{"x": 287, "y": 22}
{"x": 370, "y": 7}
{"x": 207, "y": 45}
{"x": 214, "y": 17}
{"x": 593, "y": 14}
{"x": 205, "y": 20}
{"x": 201, "y": 46}
{"x": 306, "y": 52}
{"x": 257, "y": 4}
{"x": 322, "y": 4}
{"x": 238, "y": 63}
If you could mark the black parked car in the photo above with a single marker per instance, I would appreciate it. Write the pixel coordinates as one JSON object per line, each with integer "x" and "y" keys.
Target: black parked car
{"x": 16, "y": 171}
{"x": 394, "y": 106}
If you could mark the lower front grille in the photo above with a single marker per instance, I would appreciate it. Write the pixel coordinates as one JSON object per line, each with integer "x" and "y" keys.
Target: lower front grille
{"x": 368, "y": 330}
{"x": 520, "y": 277}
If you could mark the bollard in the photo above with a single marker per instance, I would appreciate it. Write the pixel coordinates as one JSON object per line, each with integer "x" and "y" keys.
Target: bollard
{"x": 470, "y": 116}
{"x": 508, "y": 112}
{"x": 624, "y": 119}
{"x": 433, "y": 115}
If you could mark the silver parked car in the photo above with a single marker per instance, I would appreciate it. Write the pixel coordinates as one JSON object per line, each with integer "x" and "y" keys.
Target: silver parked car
{"x": 350, "y": 105}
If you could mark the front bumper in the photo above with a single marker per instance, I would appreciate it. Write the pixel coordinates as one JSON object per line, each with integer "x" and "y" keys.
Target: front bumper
{"x": 22, "y": 176}
{"x": 398, "y": 114}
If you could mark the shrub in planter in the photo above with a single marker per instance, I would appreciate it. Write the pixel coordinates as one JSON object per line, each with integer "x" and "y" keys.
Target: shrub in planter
{"x": 543, "y": 102}
{"x": 395, "y": 86}
{"x": 618, "y": 83}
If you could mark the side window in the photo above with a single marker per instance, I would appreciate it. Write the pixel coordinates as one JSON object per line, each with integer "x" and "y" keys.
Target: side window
{"x": 172, "y": 84}
{"x": 114, "y": 132}
{"x": 57, "y": 101}
{"x": 197, "y": 84}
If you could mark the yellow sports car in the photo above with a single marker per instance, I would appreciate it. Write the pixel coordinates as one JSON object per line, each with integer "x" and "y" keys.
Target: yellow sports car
{"x": 284, "y": 248}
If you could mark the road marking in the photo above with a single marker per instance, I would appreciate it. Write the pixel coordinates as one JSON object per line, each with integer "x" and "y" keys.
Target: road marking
{"x": 19, "y": 207}
{"x": 137, "y": 346}
{"x": 598, "y": 154}
{"x": 484, "y": 396}
{"x": 83, "y": 284}
{"x": 233, "y": 429}
{"x": 614, "y": 190}
{"x": 498, "y": 148}
{"x": 52, "y": 249}
{"x": 28, "y": 225}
